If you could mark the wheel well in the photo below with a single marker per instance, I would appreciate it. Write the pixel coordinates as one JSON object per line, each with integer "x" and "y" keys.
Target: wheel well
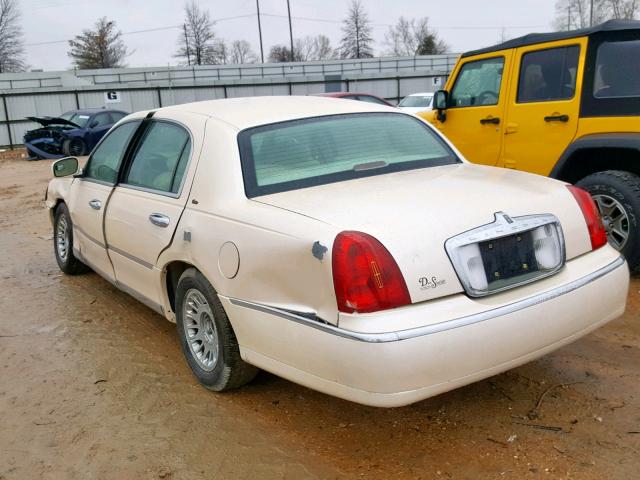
{"x": 174, "y": 271}
{"x": 588, "y": 161}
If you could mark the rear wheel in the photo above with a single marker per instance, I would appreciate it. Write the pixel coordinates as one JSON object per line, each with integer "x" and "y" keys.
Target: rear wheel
{"x": 617, "y": 195}
{"x": 63, "y": 243}
{"x": 206, "y": 336}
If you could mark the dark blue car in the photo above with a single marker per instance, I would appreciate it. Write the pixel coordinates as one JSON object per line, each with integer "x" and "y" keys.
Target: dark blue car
{"x": 74, "y": 133}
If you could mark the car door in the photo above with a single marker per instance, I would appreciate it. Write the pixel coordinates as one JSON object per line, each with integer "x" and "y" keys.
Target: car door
{"x": 476, "y": 105}
{"x": 544, "y": 104}
{"x": 98, "y": 126}
{"x": 89, "y": 195}
{"x": 146, "y": 206}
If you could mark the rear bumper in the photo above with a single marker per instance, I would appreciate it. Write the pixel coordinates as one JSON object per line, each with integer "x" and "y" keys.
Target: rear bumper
{"x": 395, "y": 368}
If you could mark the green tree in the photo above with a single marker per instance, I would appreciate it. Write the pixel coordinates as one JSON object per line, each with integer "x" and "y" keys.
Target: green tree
{"x": 101, "y": 47}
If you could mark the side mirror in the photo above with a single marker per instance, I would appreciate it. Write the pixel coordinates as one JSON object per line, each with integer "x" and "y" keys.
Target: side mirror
{"x": 93, "y": 124}
{"x": 65, "y": 167}
{"x": 440, "y": 100}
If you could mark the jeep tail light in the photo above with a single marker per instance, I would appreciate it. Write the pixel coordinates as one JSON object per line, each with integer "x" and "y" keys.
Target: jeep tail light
{"x": 366, "y": 278}
{"x": 597, "y": 233}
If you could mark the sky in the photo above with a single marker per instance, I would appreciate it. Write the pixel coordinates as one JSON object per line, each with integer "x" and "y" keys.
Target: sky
{"x": 462, "y": 24}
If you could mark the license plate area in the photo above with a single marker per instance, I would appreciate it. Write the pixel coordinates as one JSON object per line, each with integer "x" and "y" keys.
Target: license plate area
{"x": 508, "y": 257}
{"x": 507, "y": 253}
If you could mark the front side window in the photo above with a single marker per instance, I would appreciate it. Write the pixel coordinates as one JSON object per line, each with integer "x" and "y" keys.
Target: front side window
{"x": 160, "y": 161}
{"x": 617, "y": 73}
{"x": 104, "y": 163}
{"x": 303, "y": 153}
{"x": 101, "y": 120}
{"x": 548, "y": 75}
{"x": 478, "y": 83}
{"x": 79, "y": 119}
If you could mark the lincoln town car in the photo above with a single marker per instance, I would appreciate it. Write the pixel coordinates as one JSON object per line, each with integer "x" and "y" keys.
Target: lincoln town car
{"x": 343, "y": 245}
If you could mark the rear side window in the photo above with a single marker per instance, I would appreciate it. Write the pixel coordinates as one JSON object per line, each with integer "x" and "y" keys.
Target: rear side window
{"x": 314, "y": 151}
{"x": 478, "y": 83}
{"x": 617, "y": 72}
{"x": 104, "y": 163}
{"x": 548, "y": 75}
{"x": 160, "y": 161}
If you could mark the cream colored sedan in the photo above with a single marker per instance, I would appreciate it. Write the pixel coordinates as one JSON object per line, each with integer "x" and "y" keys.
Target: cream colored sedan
{"x": 344, "y": 246}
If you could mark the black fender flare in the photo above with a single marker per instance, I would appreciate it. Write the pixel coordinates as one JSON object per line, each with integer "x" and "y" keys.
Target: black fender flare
{"x": 630, "y": 141}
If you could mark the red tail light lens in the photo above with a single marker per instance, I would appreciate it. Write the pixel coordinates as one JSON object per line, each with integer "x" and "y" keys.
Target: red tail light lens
{"x": 597, "y": 233}
{"x": 366, "y": 278}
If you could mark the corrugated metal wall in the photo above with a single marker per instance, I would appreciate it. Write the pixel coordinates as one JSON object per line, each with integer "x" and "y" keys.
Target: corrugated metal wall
{"x": 54, "y": 101}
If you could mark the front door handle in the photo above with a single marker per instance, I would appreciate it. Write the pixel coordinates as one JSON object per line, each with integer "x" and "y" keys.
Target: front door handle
{"x": 95, "y": 204}
{"x": 557, "y": 118}
{"x": 159, "y": 220}
{"x": 490, "y": 120}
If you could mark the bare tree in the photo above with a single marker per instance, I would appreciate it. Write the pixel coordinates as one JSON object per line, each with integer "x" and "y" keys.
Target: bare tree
{"x": 357, "y": 41}
{"x": 624, "y": 8}
{"x": 197, "y": 42}
{"x": 241, "y": 52}
{"x": 279, "y": 54}
{"x": 573, "y": 14}
{"x": 411, "y": 37}
{"x": 11, "y": 44}
{"x": 322, "y": 49}
{"x": 101, "y": 47}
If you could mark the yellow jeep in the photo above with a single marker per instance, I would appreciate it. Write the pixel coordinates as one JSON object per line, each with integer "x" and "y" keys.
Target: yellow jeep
{"x": 563, "y": 104}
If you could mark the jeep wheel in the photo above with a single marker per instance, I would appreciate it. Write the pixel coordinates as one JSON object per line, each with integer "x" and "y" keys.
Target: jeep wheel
{"x": 617, "y": 195}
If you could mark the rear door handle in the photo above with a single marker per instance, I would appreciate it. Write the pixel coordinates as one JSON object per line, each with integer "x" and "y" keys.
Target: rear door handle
{"x": 557, "y": 118}
{"x": 95, "y": 204}
{"x": 490, "y": 120}
{"x": 159, "y": 220}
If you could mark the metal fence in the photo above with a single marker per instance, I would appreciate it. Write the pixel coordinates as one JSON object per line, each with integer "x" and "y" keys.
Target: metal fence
{"x": 18, "y": 103}
{"x": 208, "y": 73}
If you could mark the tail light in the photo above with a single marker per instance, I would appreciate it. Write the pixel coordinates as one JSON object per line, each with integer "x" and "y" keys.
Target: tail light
{"x": 366, "y": 278}
{"x": 597, "y": 233}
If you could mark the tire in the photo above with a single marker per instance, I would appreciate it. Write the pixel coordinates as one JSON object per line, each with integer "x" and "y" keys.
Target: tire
{"x": 74, "y": 147}
{"x": 63, "y": 243}
{"x": 203, "y": 326}
{"x": 617, "y": 194}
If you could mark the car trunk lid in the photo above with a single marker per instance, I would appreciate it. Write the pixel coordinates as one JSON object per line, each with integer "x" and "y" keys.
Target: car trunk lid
{"x": 413, "y": 213}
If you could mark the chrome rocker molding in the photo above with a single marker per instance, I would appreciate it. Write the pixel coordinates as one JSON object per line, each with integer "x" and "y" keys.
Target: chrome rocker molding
{"x": 438, "y": 327}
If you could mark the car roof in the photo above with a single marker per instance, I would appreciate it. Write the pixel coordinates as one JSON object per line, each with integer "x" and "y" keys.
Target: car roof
{"x": 245, "y": 112}
{"x": 534, "y": 38}
{"x": 344, "y": 94}
{"x": 91, "y": 111}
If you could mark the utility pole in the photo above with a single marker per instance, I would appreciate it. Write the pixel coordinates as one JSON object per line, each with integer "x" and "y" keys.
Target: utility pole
{"x": 186, "y": 42}
{"x": 260, "y": 31}
{"x": 591, "y": 15}
{"x": 290, "y": 30}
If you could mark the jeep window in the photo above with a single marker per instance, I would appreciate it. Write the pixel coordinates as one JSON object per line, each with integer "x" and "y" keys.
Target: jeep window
{"x": 314, "y": 151}
{"x": 547, "y": 75}
{"x": 478, "y": 83}
{"x": 617, "y": 70}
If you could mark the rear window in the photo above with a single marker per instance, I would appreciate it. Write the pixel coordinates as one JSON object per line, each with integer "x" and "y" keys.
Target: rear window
{"x": 617, "y": 70}
{"x": 303, "y": 153}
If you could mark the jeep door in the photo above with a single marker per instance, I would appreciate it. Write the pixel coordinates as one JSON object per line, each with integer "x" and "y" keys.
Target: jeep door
{"x": 146, "y": 206}
{"x": 476, "y": 106}
{"x": 544, "y": 104}
{"x": 89, "y": 196}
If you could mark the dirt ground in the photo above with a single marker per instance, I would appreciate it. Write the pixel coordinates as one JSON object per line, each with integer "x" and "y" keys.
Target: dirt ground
{"x": 93, "y": 386}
